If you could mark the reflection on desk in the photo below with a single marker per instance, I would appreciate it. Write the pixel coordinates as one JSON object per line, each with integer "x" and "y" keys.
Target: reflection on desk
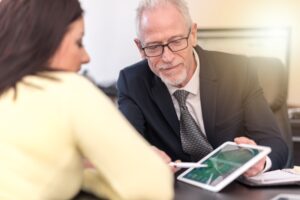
{"x": 234, "y": 191}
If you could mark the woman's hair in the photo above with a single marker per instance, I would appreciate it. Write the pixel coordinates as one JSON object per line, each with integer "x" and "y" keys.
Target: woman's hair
{"x": 181, "y": 6}
{"x": 30, "y": 33}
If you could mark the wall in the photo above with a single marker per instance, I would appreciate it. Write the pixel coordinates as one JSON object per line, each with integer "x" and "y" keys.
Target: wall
{"x": 255, "y": 13}
{"x": 110, "y": 30}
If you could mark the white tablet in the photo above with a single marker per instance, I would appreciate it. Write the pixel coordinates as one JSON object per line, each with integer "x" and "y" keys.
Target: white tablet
{"x": 224, "y": 164}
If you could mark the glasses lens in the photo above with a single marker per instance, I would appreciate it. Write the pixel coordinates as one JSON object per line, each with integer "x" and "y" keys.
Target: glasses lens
{"x": 178, "y": 45}
{"x": 175, "y": 45}
{"x": 153, "y": 50}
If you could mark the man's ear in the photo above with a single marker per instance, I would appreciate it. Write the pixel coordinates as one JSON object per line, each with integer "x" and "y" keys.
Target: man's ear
{"x": 139, "y": 46}
{"x": 194, "y": 34}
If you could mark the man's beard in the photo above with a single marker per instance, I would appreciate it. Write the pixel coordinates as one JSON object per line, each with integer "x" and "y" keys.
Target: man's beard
{"x": 179, "y": 79}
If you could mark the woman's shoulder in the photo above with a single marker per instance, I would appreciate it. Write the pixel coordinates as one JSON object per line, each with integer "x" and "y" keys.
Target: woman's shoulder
{"x": 64, "y": 83}
{"x": 71, "y": 87}
{"x": 63, "y": 79}
{"x": 66, "y": 76}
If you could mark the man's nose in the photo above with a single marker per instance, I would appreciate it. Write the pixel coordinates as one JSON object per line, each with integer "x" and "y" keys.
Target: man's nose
{"x": 167, "y": 55}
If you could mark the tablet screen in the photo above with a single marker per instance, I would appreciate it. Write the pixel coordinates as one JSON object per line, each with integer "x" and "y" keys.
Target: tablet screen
{"x": 221, "y": 164}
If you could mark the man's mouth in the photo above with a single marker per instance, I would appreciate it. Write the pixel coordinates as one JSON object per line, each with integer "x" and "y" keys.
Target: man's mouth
{"x": 168, "y": 67}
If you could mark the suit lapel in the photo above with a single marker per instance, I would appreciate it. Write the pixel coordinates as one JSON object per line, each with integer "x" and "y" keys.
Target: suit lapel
{"x": 162, "y": 98}
{"x": 208, "y": 92}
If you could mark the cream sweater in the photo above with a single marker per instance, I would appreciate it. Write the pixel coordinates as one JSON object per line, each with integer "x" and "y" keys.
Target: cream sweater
{"x": 52, "y": 124}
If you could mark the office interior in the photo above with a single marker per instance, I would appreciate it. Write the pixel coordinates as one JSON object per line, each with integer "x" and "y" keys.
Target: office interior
{"x": 110, "y": 31}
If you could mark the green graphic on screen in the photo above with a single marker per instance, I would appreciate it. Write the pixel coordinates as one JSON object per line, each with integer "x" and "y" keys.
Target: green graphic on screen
{"x": 222, "y": 164}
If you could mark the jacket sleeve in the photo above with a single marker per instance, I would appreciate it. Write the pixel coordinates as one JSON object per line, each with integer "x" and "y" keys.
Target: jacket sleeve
{"x": 260, "y": 121}
{"x": 127, "y": 105}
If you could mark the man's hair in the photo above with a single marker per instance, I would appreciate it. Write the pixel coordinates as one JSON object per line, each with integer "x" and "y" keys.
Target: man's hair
{"x": 30, "y": 33}
{"x": 181, "y": 6}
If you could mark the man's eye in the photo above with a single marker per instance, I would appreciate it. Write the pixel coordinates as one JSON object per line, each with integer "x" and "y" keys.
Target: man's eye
{"x": 177, "y": 42}
{"x": 153, "y": 47}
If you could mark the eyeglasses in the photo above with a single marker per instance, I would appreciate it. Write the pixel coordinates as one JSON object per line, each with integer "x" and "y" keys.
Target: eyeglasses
{"x": 174, "y": 46}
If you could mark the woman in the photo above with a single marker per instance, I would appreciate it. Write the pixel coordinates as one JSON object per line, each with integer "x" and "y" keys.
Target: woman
{"x": 51, "y": 118}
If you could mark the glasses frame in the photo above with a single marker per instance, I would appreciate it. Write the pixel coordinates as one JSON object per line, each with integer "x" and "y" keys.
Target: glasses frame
{"x": 167, "y": 45}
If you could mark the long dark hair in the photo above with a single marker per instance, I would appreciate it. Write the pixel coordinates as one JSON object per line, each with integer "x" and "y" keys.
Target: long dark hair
{"x": 30, "y": 33}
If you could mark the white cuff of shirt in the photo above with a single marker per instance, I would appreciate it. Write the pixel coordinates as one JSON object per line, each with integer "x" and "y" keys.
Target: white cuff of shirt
{"x": 268, "y": 165}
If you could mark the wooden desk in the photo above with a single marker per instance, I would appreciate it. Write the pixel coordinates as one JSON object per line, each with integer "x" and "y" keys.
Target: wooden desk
{"x": 234, "y": 191}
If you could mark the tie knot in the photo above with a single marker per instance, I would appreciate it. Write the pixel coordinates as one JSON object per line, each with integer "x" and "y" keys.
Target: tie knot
{"x": 181, "y": 96}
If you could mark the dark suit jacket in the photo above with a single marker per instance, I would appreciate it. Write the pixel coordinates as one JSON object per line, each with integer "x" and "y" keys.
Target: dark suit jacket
{"x": 231, "y": 98}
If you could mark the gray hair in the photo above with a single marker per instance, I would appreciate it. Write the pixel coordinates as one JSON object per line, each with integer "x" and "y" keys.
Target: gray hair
{"x": 181, "y": 5}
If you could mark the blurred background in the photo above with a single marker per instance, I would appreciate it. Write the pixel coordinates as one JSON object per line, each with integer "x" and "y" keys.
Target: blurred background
{"x": 110, "y": 31}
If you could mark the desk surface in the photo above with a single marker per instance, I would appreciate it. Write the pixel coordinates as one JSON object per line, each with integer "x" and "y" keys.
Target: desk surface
{"x": 234, "y": 191}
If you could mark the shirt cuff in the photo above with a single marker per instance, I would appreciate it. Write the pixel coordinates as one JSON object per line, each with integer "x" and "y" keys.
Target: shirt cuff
{"x": 268, "y": 165}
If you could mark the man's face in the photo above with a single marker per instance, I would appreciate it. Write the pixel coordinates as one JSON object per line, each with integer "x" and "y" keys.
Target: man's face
{"x": 163, "y": 25}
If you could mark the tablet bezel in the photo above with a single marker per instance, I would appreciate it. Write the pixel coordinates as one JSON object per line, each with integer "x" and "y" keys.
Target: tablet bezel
{"x": 263, "y": 152}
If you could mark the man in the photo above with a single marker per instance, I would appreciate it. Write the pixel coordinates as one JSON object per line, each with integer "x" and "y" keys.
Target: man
{"x": 224, "y": 98}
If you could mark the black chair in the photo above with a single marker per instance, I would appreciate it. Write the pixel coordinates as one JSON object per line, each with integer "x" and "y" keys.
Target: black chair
{"x": 273, "y": 77}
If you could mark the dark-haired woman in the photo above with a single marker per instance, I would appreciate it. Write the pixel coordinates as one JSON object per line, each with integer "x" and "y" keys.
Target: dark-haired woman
{"x": 50, "y": 117}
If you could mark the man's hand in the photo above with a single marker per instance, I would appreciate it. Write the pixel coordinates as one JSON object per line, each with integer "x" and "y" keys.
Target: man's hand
{"x": 259, "y": 166}
{"x": 165, "y": 158}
